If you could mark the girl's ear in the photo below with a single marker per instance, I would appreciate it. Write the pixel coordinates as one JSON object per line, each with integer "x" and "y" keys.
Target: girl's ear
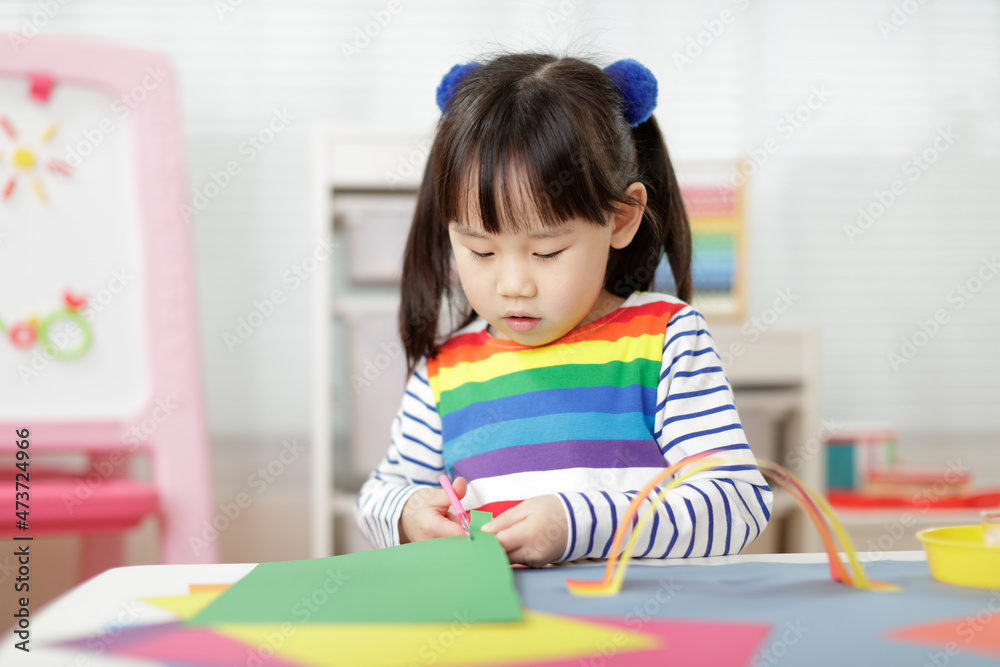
{"x": 625, "y": 223}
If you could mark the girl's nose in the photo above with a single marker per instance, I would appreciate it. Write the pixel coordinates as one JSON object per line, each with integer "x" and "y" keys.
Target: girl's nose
{"x": 515, "y": 280}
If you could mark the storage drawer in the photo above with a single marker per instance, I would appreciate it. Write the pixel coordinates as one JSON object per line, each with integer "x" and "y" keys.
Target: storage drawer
{"x": 375, "y": 229}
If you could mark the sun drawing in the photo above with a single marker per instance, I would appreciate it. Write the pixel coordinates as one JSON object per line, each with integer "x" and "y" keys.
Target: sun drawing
{"x": 26, "y": 161}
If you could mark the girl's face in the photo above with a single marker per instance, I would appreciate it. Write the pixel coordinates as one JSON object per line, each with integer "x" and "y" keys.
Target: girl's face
{"x": 536, "y": 285}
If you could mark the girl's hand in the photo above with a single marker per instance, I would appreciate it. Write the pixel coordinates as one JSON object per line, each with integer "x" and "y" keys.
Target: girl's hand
{"x": 425, "y": 514}
{"x": 533, "y": 532}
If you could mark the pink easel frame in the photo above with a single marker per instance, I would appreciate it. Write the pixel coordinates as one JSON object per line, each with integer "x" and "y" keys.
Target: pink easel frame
{"x": 179, "y": 446}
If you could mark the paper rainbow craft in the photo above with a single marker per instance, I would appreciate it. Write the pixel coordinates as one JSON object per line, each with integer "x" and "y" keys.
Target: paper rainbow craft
{"x": 815, "y": 506}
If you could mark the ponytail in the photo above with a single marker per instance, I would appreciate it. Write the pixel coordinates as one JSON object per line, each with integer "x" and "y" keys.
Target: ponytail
{"x": 665, "y": 229}
{"x": 426, "y": 278}
{"x": 426, "y": 273}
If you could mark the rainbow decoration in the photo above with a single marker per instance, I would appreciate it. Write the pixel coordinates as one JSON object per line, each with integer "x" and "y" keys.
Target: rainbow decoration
{"x": 715, "y": 213}
{"x": 814, "y": 504}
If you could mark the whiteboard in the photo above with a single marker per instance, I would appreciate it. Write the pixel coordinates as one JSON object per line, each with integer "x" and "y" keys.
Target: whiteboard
{"x": 84, "y": 238}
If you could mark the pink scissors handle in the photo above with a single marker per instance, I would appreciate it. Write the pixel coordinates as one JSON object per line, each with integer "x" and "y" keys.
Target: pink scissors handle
{"x": 456, "y": 504}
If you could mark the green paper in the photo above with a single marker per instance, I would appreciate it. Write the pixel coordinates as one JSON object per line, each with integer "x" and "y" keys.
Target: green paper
{"x": 434, "y": 581}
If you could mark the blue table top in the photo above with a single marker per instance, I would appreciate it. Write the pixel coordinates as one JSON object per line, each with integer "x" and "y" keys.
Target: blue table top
{"x": 815, "y": 621}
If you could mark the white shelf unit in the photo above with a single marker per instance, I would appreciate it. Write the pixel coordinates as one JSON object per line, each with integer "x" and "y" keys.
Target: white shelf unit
{"x": 355, "y": 168}
{"x": 774, "y": 378}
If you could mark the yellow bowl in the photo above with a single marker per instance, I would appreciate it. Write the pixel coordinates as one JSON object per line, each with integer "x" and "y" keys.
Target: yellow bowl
{"x": 959, "y": 555}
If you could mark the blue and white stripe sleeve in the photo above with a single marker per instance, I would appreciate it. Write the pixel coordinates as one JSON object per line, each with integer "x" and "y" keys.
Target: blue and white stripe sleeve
{"x": 413, "y": 461}
{"x": 715, "y": 512}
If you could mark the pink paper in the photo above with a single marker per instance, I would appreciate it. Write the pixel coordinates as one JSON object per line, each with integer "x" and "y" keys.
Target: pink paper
{"x": 976, "y": 634}
{"x": 681, "y": 643}
{"x": 175, "y": 643}
{"x": 713, "y": 643}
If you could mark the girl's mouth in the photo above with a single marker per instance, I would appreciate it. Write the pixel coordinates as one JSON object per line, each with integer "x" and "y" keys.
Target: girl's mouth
{"x": 521, "y": 324}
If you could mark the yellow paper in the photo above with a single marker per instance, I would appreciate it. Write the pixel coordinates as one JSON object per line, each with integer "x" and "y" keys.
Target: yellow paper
{"x": 538, "y": 637}
{"x": 185, "y": 606}
{"x": 204, "y": 588}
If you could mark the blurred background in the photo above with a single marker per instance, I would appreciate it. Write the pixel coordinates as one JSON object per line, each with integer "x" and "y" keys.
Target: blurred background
{"x": 856, "y": 145}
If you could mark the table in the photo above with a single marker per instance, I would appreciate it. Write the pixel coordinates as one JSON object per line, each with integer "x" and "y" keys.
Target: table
{"x": 791, "y": 592}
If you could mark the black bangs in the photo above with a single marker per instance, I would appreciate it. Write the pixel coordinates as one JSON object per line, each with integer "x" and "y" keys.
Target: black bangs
{"x": 518, "y": 148}
{"x": 528, "y": 140}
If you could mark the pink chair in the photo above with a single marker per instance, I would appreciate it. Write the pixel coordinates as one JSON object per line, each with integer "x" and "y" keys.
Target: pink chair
{"x": 102, "y": 501}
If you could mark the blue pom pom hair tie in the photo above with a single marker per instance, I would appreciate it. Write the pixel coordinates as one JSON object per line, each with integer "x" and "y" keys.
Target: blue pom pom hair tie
{"x": 451, "y": 82}
{"x": 638, "y": 89}
{"x": 635, "y": 83}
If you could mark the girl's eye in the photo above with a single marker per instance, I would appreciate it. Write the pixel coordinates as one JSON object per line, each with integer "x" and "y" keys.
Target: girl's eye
{"x": 480, "y": 255}
{"x": 551, "y": 255}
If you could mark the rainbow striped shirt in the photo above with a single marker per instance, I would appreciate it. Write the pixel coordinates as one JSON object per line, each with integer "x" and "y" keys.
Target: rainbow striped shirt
{"x": 591, "y": 417}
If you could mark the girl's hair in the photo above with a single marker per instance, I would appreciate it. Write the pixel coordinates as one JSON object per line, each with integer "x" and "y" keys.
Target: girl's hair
{"x": 547, "y": 133}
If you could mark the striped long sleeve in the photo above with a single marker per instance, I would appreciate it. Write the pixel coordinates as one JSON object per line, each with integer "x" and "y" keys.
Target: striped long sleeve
{"x": 591, "y": 417}
{"x": 413, "y": 461}
{"x": 715, "y": 512}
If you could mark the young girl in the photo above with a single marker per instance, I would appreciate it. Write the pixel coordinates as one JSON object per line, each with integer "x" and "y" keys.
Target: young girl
{"x": 565, "y": 387}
